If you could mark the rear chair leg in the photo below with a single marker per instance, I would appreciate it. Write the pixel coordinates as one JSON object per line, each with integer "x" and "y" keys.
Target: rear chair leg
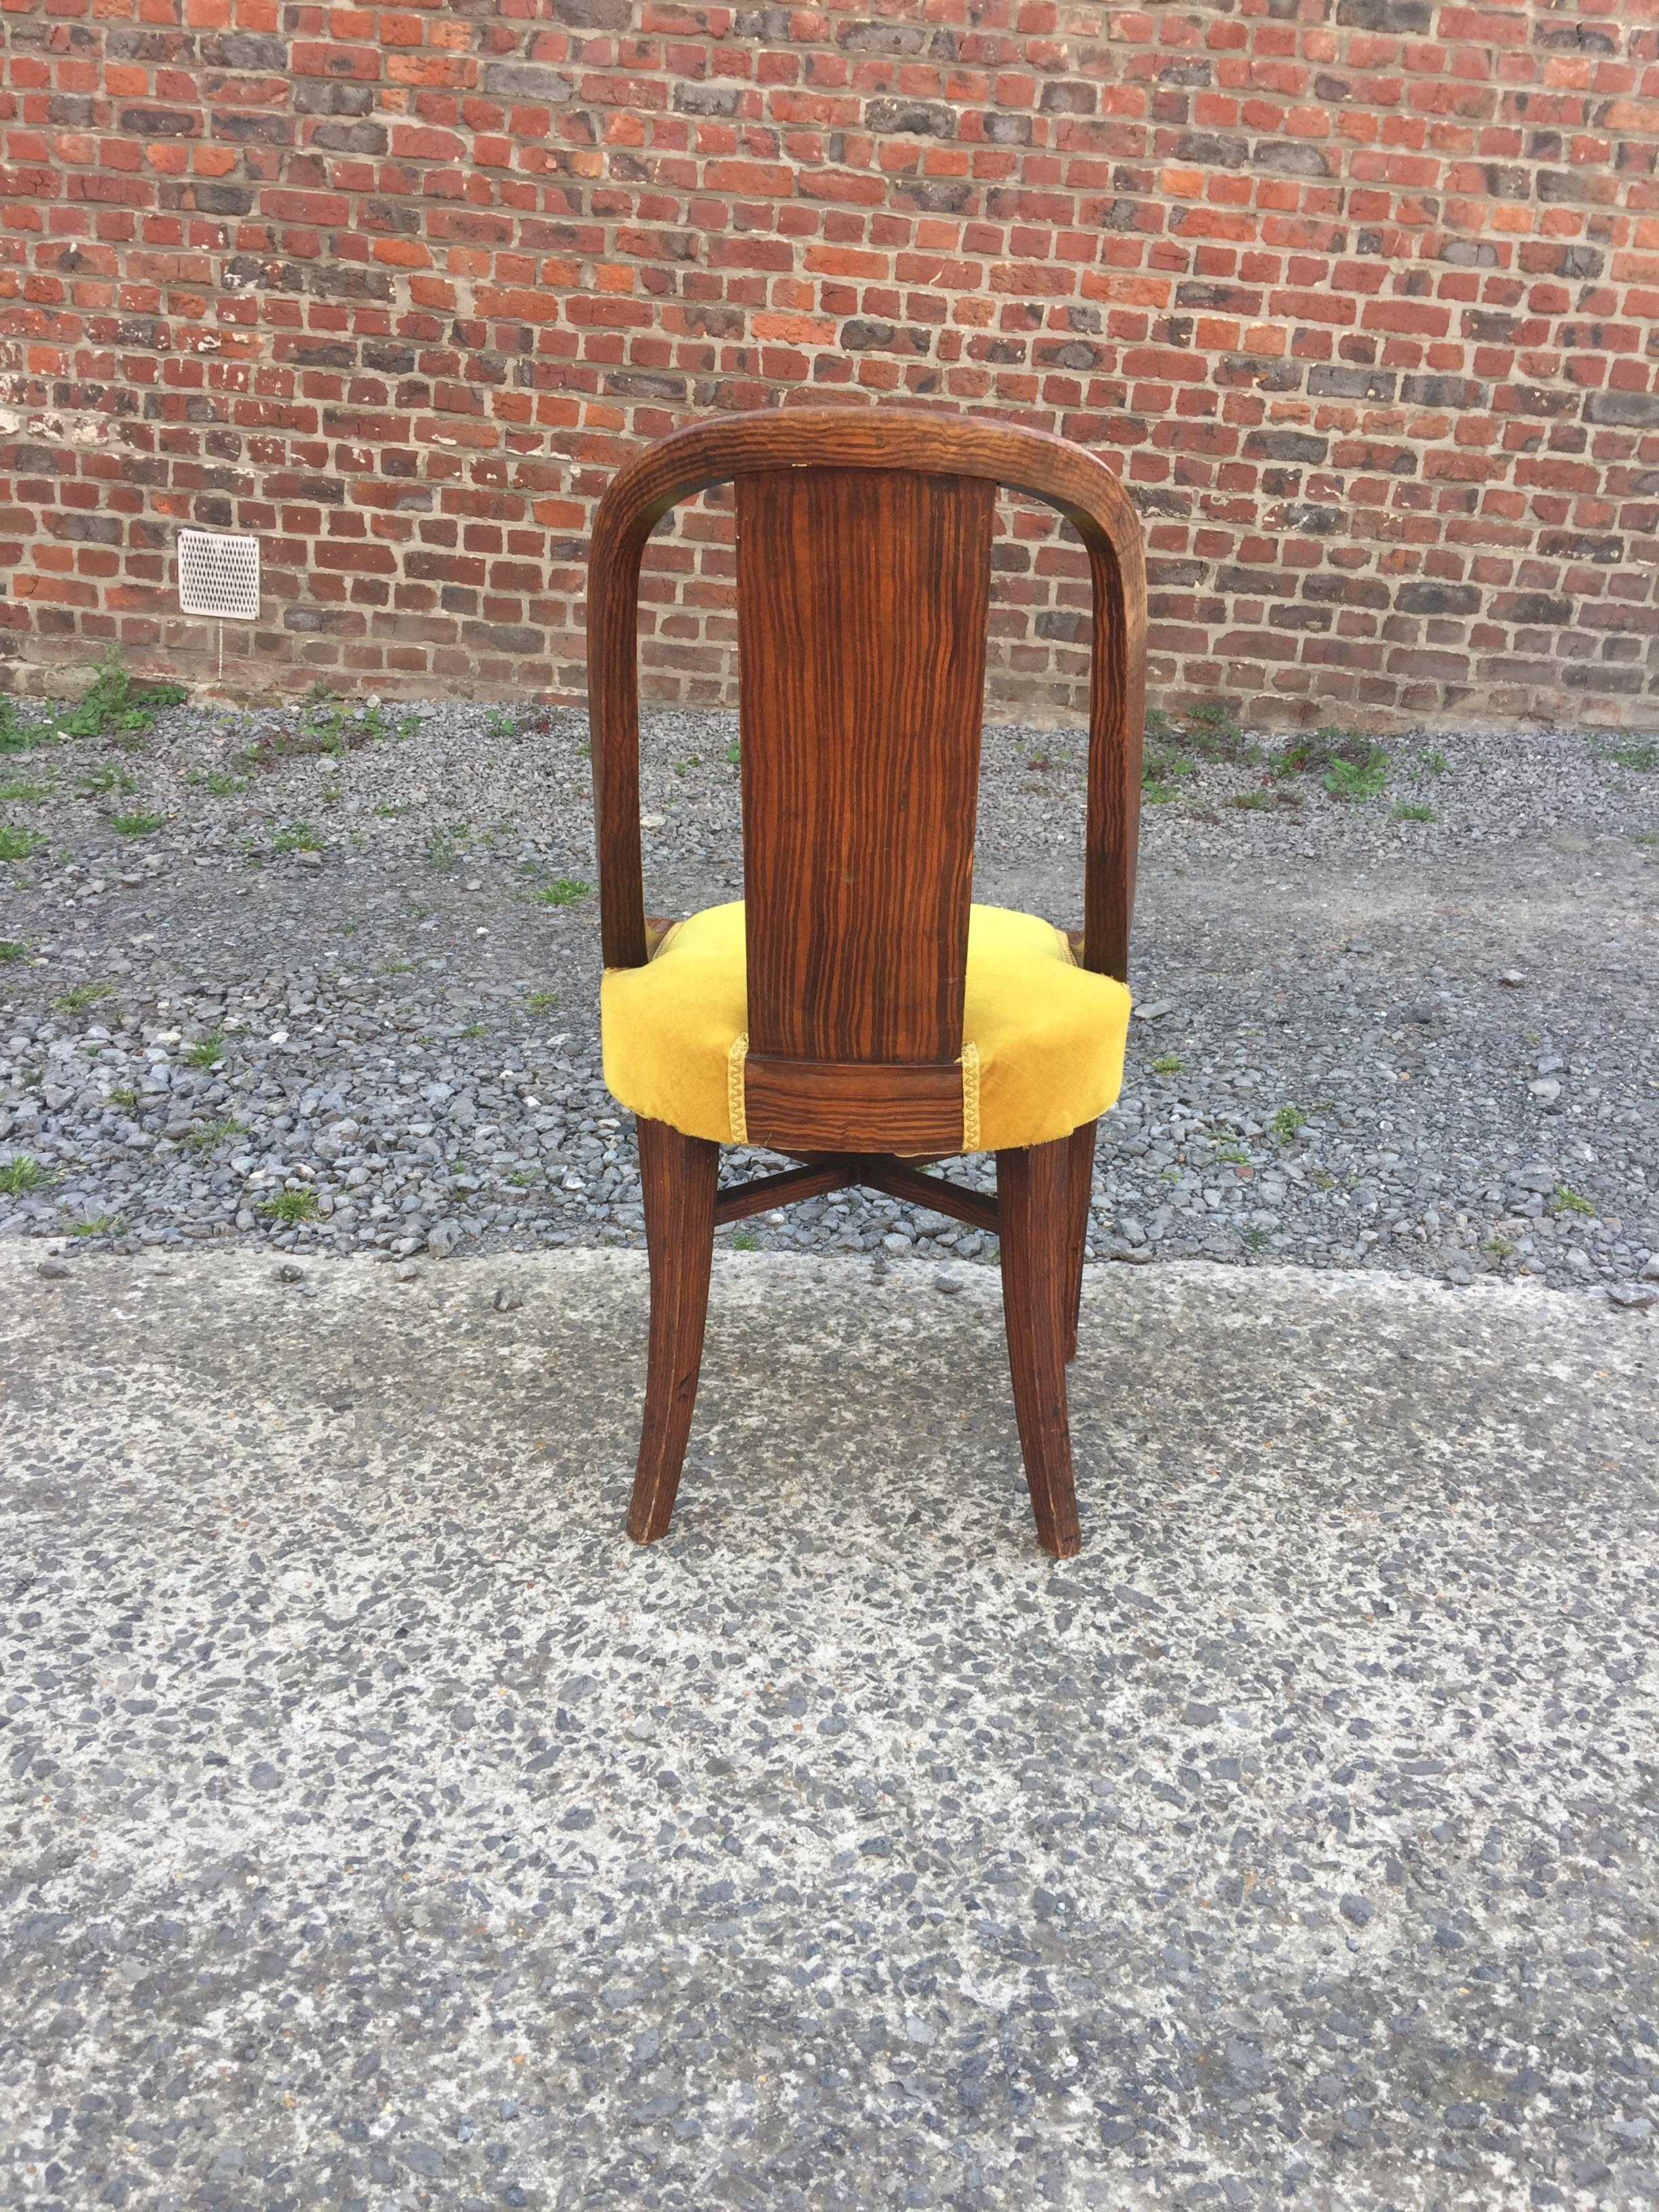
{"x": 1035, "y": 1185}
{"x": 1080, "y": 1167}
{"x": 679, "y": 1175}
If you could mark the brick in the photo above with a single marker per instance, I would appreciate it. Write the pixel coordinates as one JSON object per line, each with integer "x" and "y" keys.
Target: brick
{"x": 1360, "y": 294}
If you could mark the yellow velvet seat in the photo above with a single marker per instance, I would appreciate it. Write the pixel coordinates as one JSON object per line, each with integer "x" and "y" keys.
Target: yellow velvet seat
{"x": 1042, "y": 1038}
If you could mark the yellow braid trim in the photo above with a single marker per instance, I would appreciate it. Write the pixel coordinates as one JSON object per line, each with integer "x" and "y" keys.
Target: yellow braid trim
{"x": 736, "y": 1107}
{"x": 970, "y": 1098}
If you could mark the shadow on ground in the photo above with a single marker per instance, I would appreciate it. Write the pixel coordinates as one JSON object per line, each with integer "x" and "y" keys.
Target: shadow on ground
{"x": 381, "y": 1828}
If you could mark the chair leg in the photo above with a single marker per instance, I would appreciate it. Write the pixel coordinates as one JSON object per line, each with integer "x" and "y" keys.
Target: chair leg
{"x": 1034, "y": 1192}
{"x": 679, "y": 1175}
{"x": 1080, "y": 1168}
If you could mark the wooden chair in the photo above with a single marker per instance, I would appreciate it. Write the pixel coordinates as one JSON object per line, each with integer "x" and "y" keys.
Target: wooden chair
{"x": 824, "y": 1018}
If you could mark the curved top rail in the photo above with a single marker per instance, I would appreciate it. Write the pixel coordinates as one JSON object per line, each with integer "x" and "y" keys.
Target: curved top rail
{"x": 724, "y": 446}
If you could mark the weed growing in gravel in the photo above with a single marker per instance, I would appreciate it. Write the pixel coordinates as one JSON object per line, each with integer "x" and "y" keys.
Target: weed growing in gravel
{"x": 124, "y": 1096}
{"x": 541, "y": 1002}
{"x": 26, "y": 794}
{"x": 1415, "y": 810}
{"x": 206, "y": 1135}
{"x": 21, "y": 1174}
{"x": 1234, "y": 1155}
{"x": 16, "y": 843}
{"x": 1254, "y": 1240}
{"x": 526, "y": 1178}
{"x": 500, "y": 723}
{"x": 99, "y": 1224}
{"x": 1499, "y": 1248}
{"x": 1640, "y": 757}
{"x": 1214, "y": 735}
{"x": 1358, "y": 779}
{"x": 291, "y": 1206}
{"x": 106, "y": 779}
{"x": 83, "y": 995}
{"x": 475, "y": 1029}
{"x": 691, "y": 760}
{"x": 297, "y": 837}
{"x": 115, "y": 708}
{"x": 1174, "y": 746}
{"x": 745, "y": 1239}
{"x": 1288, "y": 1124}
{"x": 12, "y": 949}
{"x": 1434, "y": 763}
{"x": 1253, "y": 802}
{"x": 223, "y": 786}
{"x": 18, "y": 736}
{"x": 392, "y": 808}
{"x": 565, "y": 892}
{"x": 1161, "y": 775}
{"x": 1170, "y": 1063}
{"x": 733, "y": 752}
{"x": 136, "y": 826}
{"x": 406, "y": 726}
{"x": 326, "y": 725}
{"x": 207, "y": 1051}
{"x": 443, "y": 846}
{"x": 1570, "y": 1202}
{"x": 1351, "y": 766}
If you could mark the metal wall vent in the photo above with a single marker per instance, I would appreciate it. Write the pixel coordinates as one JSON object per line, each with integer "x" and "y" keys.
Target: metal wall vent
{"x": 218, "y": 576}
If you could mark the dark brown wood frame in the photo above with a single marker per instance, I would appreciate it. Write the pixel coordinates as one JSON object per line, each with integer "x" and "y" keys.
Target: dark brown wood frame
{"x": 859, "y": 772}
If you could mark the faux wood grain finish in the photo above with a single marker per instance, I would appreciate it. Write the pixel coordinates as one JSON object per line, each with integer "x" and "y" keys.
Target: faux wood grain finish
{"x": 1033, "y": 1187}
{"x": 861, "y": 621}
{"x": 1080, "y": 1171}
{"x": 679, "y": 1175}
{"x": 839, "y": 1106}
{"x": 740, "y": 1200}
{"x": 863, "y": 581}
{"x": 727, "y": 448}
{"x": 899, "y": 1179}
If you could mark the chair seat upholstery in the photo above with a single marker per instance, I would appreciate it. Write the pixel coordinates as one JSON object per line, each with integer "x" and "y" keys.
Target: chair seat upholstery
{"x": 1046, "y": 1036}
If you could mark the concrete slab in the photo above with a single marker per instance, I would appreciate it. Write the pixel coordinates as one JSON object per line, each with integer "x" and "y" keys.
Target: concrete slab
{"x": 380, "y": 1829}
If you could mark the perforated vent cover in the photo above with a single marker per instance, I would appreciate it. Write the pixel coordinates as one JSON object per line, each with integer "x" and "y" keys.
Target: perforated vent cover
{"x": 218, "y": 576}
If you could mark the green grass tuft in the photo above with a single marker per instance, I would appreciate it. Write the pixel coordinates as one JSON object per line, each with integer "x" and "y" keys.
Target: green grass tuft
{"x": 291, "y": 1206}
{"x": 83, "y": 995}
{"x": 565, "y": 892}
{"x": 21, "y": 1174}
{"x": 207, "y": 1135}
{"x": 136, "y": 826}
{"x": 106, "y": 779}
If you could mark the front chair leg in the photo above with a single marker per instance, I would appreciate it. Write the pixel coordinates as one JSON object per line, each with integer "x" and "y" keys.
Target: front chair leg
{"x": 679, "y": 1175}
{"x": 1035, "y": 1186}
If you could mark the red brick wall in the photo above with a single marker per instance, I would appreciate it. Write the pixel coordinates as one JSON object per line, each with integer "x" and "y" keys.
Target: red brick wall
{"x": 1358, "y": 295}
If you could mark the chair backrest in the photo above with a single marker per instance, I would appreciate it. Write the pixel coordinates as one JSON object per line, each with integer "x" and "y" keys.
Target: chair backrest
{"x": 863, "y": 552}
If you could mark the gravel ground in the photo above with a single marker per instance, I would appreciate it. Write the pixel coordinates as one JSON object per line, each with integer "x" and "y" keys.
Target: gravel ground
{"x": 346, "y": 999}
{"x": 382, "y": 1830}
